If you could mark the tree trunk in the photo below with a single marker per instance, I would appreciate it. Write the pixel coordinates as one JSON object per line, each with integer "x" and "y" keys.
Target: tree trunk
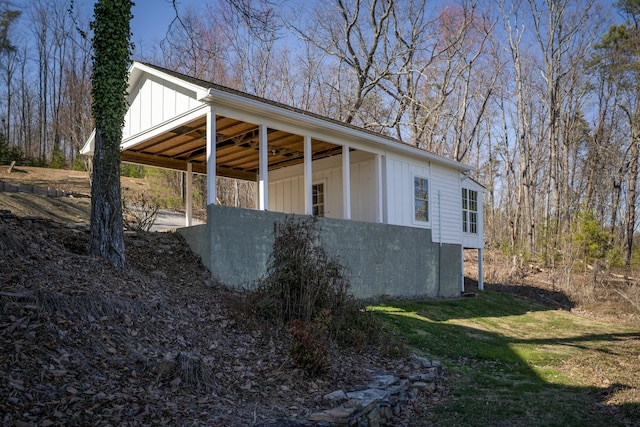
{"x": 111, "y": 46}
{"x": 107, "y": 231}
{"x": 630, "y": 223}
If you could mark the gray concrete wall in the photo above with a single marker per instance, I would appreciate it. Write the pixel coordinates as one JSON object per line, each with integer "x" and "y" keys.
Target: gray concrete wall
{"x": 197, "y": 237}
{"x": 381, "y": 259}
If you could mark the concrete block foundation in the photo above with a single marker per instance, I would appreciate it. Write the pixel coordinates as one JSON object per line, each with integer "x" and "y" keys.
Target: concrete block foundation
{"x": 382, "y": 259}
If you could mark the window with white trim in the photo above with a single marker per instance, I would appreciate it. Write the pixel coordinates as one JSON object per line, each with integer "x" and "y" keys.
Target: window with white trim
{"x": 421, "y": 199}
{"x": 469, "y": 211}
{"x": 318, "y": 199}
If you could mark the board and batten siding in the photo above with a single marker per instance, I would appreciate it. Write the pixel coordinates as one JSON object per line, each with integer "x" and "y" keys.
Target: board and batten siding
{"x": 444, "y": 187}
{"x": 162, "y": 101}
{"x": 286, "y": 187}
{"x": 447, "y": 218}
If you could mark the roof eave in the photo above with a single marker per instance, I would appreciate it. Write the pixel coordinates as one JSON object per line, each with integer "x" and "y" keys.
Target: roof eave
{"x": 214, "y": 96}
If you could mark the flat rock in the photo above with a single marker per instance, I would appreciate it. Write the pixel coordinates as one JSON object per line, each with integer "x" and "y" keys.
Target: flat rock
{"x": 336, "y": 396}
{"x": 336, "y": 415}
{"x": 424, "y": 386}
{"x": 383, "y": 381}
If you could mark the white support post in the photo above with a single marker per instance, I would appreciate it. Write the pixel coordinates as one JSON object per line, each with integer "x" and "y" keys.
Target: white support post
{"x": 480, "y": 272}
{"x": 211, "y": 156}
{"x": 188, "y": 195}
{"x": 379, "y": 190}
{"x": 462, "y": 269}
{"x": 346, "y": 182}
{"x": 308, "y": 177}
{"x": 263, "y": 183}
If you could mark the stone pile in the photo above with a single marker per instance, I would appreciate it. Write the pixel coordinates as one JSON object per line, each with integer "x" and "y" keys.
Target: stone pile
{"x": 375, "y": 404}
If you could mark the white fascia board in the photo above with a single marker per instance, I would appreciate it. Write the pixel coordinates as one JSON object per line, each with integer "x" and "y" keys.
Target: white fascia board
{"x": 469, "y": 182}
{"x": 137, "y": 70}
{"x": 89, "y": 145}
{"x": 163, "y": 127}
{"x": 241, "y": 108}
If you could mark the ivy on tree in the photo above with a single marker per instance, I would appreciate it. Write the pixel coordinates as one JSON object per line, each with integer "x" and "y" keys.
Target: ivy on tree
{"x": 111, "y": 59}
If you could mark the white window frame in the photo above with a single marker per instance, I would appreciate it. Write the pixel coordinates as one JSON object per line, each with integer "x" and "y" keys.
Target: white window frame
{"x": 324, "y": 198}
{"x": 469, "y": 216}
{"x": 414, "y": 199}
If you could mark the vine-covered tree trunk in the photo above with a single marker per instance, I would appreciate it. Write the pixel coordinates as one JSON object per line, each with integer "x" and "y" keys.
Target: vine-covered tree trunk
{"x": 111, "y": 50}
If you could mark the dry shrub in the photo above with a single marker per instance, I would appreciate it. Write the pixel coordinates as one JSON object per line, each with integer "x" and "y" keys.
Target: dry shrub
{"x": 140, "y": 212}
{"x": 186, "y": 370}
{"x": 309, "y": 350}
{"x": 307, "y": 288}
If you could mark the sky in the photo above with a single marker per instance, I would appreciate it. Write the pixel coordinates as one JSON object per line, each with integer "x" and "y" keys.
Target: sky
{"x": 151, "y": 18}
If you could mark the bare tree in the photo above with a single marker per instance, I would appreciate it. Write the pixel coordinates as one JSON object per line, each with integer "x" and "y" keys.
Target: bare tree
{"x": 523, "y": 219}
{"x": 563, "y": 42}
{"x": 204, "y": 56}
{"x": 353, "y": 34}
{"x": 8, "y": 63}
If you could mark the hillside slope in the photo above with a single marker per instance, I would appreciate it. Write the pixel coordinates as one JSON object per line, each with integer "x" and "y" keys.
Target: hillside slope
{"x": 157, "y": 344}
{"x": 76, "y": 207}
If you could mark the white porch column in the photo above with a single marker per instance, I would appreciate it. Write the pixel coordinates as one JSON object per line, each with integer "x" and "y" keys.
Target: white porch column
{"x": 379, "y": 190}
{"x": 346, "y": 182}
{"x": 263, "y": 180}
{"x": 211, "y": 156}
{"x": 480, "y": 272}
{"x": 308, "y": 177}
{"x": 188, "y": 195}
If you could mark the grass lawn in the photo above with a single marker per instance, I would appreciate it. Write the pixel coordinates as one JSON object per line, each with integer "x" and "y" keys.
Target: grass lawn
{"x": 514, "y": 363}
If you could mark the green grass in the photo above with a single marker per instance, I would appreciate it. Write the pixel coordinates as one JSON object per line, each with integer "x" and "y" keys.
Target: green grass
{"x": 514, "y": 363}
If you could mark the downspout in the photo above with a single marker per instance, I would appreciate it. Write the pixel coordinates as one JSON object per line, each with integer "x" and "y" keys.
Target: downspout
{"x": 480, "y": 270}
{"x": 440, "y": 243}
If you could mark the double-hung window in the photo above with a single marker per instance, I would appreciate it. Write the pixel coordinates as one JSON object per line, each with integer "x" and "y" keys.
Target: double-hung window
{"x": 469, "y": 211}
{"x": 318, "y": 199}
{"x": 421, "y": 199}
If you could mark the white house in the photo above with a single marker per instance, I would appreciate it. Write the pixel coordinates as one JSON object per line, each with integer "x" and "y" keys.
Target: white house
{"x": 397, "y": 216}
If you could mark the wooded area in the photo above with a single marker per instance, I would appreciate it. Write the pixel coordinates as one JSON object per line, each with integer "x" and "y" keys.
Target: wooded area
{"x": 541, "y": 97}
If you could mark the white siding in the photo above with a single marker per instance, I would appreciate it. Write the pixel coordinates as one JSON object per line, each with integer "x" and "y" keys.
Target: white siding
{"x": 447, "y": 220}
{"x": 162, "y": 101}
{"x": 363, "y": 190}
{"x": 400, "y": 202}
{"x": 286, "y": 187}
{"x": 445, "y": 203}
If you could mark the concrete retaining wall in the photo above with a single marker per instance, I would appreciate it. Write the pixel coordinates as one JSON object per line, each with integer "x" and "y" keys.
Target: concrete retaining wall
{"x": 382, "y": 259}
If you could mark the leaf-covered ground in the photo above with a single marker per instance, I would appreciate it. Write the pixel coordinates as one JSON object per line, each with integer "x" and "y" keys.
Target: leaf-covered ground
{"x": 83, "y": 344}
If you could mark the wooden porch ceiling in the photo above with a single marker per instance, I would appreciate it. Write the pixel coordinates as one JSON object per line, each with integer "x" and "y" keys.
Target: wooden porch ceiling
{"x": 237, "y": 148}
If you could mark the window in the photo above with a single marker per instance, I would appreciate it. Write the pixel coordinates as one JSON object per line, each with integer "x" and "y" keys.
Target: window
{"x": 421, "y": 199}
{"x": 469, "y": 211}
{"x": 318, "y": 199}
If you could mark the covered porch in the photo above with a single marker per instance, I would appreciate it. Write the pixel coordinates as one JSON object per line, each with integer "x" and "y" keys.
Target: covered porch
{"x": 216, "y": 142}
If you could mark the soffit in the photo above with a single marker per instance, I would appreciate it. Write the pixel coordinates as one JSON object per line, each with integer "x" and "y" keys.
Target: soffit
{"x": 237, "y": 148}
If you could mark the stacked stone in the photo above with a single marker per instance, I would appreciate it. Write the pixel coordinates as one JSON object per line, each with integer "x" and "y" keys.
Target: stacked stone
{"x": 381, "y": 400}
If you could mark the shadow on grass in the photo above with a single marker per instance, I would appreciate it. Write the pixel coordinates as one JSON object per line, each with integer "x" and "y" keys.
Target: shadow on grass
{"x": 554, "y": 299}
{"x": 507, "y": 380}
{"x": 502, "y": 304}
